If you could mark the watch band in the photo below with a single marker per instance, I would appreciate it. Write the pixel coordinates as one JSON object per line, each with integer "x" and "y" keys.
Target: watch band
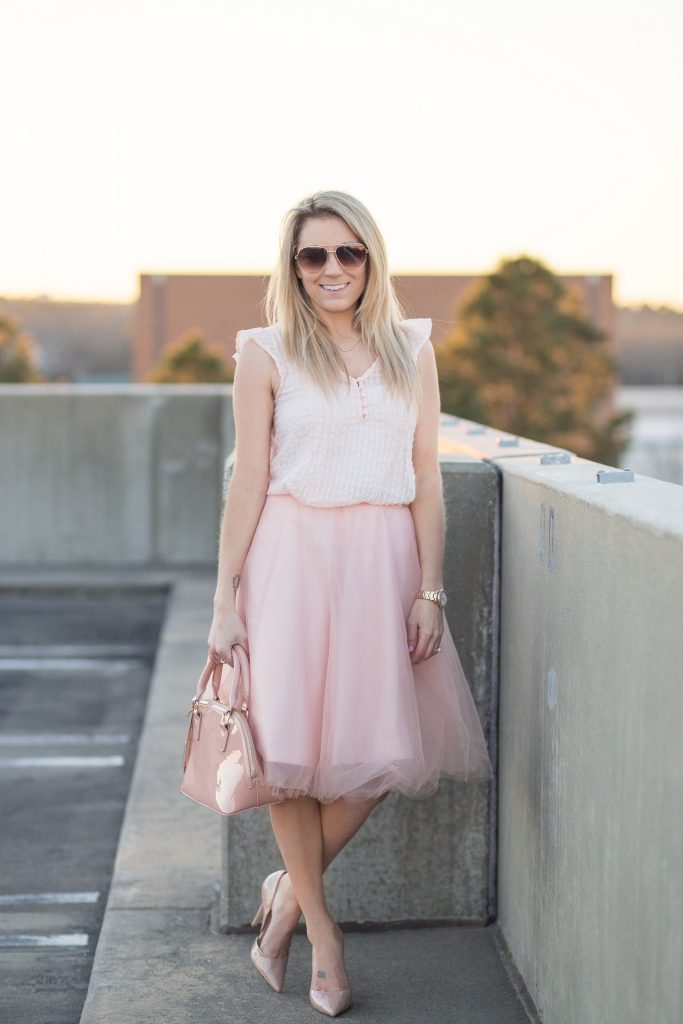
{"x": 438, "y": 596}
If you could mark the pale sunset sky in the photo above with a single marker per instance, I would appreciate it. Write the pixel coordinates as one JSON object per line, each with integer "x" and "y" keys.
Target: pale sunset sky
{"x": 172, "y": 135}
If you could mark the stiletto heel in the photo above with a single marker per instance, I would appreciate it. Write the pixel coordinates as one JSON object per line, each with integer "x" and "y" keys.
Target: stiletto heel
{"x": 258, "y": 915}
{"x": 272, "y": 968}
{"x": 334, "y": 1001}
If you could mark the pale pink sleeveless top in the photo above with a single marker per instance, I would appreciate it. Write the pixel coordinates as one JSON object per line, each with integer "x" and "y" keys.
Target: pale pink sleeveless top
{"x": 354, "y": 448}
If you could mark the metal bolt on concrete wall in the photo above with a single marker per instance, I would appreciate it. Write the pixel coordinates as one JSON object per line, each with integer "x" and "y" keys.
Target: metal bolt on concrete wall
{"x": 552, "y": 458}
{"x": 615, "y": 476}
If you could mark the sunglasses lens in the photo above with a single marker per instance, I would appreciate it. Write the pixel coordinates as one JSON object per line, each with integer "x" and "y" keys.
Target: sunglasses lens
{"x": 313, "y": 257}
{"x": 351, "y": 256}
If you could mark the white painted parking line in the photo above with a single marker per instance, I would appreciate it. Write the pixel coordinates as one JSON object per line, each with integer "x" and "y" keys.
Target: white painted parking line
{"x": 9, "y": 899}
{"x": 63, "y": 738}
{"x": 74, "y": 650}
{"x": 108, "y": 666}
{"x": 115, "y": 761}
{"x": 76, "y": 939}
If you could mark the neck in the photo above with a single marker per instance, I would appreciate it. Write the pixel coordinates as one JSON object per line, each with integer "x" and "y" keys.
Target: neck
{"x": 340, "y": 325}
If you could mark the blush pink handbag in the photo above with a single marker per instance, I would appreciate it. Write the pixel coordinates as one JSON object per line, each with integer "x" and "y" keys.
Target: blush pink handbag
{"x": 221, "y": 766}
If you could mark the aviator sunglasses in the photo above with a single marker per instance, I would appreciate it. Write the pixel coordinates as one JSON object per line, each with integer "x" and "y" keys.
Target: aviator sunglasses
{"x": 314, "y": 257}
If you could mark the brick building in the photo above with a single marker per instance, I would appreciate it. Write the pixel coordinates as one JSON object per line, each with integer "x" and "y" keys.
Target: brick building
{"x": 168, "y": 305}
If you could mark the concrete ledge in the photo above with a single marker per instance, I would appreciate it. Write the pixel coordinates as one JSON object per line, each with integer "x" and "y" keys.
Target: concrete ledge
{"x": 169, "y": 849}
{"x": 169, "y": 966}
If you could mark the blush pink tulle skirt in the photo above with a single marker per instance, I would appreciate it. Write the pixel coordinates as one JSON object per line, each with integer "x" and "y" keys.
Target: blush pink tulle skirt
{"x": 337, "y": 708}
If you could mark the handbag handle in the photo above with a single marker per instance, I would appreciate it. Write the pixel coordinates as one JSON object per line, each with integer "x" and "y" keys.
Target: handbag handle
{"x": 213, "y": 671}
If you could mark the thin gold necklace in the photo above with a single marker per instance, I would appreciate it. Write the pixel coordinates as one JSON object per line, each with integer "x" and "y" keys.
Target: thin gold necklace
{"x": 349, "y": 349}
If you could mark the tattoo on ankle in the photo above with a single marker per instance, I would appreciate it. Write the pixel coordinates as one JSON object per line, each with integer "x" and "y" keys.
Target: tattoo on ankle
{"x": 320, "y": 974}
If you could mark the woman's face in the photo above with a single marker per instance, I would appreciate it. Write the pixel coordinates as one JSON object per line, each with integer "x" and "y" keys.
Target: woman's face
{"x": 330, "y": 231}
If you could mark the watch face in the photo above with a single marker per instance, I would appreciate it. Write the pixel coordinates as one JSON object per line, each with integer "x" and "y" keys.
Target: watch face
{"x": 443, "y": 598}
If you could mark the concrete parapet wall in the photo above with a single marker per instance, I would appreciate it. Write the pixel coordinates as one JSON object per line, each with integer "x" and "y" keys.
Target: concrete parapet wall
{"x": 112, "y": 475}
{"x": 590, "y": 759}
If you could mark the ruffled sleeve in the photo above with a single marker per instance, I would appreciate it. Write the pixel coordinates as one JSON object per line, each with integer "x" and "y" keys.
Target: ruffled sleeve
{"x": 419, "y": 331}
{"x": 269, "y": 340}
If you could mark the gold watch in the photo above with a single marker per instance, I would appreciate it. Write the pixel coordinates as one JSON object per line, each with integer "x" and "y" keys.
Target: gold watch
{"x": 438, "y": 596}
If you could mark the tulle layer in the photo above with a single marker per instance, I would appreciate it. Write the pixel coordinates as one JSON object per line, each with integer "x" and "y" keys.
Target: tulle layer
{"x": 337, "y": 708}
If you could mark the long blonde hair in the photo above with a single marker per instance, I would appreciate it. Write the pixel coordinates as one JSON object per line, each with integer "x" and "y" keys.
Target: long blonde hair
{"x": 377, "y": 316}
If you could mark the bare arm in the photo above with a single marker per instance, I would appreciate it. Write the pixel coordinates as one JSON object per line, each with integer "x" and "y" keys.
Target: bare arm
{"x": 253, "y": 404}
{"x": 425, "y": 623}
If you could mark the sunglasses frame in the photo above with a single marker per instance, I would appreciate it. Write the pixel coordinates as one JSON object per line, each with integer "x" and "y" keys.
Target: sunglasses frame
{"x": 335, "y": 249}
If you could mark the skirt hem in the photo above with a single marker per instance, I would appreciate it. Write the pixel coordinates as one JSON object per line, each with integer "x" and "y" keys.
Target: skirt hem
{"x": 382, "y": 782}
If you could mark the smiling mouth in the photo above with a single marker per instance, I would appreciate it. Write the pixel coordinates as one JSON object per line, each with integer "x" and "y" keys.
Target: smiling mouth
{"x": 333, "y": 289}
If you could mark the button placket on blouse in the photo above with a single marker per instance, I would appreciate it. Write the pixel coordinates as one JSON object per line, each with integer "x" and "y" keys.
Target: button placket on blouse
{"x": 363, "y": 404}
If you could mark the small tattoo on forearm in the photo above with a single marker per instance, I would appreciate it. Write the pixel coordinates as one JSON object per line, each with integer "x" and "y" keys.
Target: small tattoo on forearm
{"x": 321, "y": 974}
{"x": 235, "y": 583}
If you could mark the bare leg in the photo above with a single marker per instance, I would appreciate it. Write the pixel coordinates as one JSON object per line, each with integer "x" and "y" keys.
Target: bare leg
{"x": 310, "y": 835}
{"x": 298, "y": 830}
{"x": 341, "y": 819}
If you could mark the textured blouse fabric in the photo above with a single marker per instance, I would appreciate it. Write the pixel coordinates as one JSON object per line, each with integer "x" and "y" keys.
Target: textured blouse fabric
{"x": 355, "y": 447}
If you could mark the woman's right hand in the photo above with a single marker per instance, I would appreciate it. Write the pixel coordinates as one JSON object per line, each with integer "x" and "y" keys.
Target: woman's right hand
{"x": 227, "y": 629}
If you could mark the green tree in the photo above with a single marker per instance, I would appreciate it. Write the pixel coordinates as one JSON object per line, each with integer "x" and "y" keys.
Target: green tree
{"x": 18, "y": 353}
{"x": 524, "y": 359}
{"x": 192, "y": 359}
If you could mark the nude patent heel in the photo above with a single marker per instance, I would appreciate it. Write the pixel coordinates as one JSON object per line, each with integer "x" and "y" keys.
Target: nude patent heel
{"x": 332, "y": 1002}
{"x": 272, "y": 968}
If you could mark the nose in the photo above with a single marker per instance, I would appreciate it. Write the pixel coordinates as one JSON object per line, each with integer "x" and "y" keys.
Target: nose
{"x": 333, "y": 266}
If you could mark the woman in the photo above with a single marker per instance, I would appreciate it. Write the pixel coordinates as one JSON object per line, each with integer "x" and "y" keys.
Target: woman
{"x": 331, "y": 568}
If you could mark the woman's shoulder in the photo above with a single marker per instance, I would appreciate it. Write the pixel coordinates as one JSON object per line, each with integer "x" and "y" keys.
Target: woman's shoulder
{"x": 418, "y": 330}
{"x": 267, "y": 337}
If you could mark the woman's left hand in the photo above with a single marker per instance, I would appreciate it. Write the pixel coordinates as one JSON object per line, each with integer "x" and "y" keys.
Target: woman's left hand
{"x": 425, "y": 629}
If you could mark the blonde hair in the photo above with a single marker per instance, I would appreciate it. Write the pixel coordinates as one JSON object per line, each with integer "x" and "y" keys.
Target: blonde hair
{"x": 377, "y": 316}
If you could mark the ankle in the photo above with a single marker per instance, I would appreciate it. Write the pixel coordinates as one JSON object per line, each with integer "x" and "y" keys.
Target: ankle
{"x": 322, "y": 930}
